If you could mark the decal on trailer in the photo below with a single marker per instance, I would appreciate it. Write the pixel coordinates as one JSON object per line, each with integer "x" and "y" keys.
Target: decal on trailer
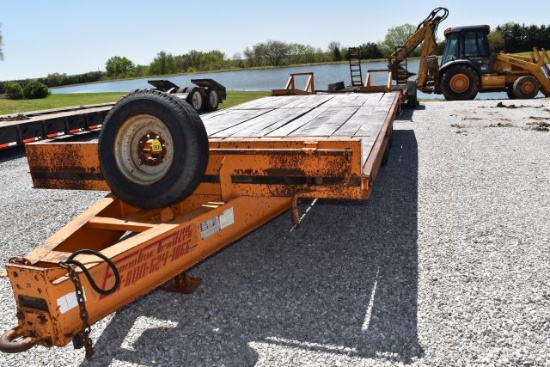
{"x": 213, "y": 225}
{"x": 151, "y": 258}
{"x": 68, "y": 301}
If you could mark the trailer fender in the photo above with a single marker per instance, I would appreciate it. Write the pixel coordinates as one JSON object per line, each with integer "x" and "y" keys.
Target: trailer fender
{"x": 454, "y": 63}
{"x": 153, "y": 149}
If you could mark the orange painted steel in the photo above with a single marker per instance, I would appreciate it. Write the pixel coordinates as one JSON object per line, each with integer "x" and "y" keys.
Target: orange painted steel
{"x": 247, "y": 183}
{"x": 155, "y": 253}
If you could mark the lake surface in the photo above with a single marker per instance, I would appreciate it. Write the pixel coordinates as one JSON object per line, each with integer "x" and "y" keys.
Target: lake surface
{"x": 266, "y": 79}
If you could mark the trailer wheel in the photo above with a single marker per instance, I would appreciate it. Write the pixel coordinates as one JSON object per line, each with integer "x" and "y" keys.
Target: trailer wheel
{"x": 212, "y": 100}
{"x": 526, "y": 87}
{"x": 196, "y": 99}
{"x": 460, "y": 83}
{"x": 153, "y": 149}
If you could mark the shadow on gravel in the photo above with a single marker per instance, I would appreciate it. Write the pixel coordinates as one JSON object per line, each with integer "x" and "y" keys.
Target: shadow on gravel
{"x": 345, "y": 282}
{"x": 11, "y": 154}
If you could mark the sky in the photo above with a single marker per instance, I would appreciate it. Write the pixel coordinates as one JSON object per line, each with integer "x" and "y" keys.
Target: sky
{"x": 42, "y": 37}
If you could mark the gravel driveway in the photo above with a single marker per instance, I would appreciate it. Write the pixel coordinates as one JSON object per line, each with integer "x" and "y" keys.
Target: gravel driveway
{"x": 448, "y": 262}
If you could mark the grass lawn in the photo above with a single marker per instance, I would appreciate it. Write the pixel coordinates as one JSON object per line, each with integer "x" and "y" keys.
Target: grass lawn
{"x": 8, "y": 106}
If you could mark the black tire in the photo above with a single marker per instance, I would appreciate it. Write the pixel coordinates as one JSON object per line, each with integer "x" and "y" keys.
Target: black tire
{"x": 196, "y": 99}
{"x": 212, "y": 100}
{"x": 526, "y": 87}
{"x": 460, "y": 82}
{"x": 153, "y": 149}
{"x": 510, "y": 92}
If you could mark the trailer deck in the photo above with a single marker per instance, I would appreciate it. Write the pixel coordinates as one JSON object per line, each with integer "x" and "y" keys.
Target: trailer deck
{"x": 264, "y": 156}
{"x": 348, "y": 131}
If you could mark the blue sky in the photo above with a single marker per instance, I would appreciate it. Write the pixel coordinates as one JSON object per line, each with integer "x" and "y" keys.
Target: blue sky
{"x": 41, "y": 37}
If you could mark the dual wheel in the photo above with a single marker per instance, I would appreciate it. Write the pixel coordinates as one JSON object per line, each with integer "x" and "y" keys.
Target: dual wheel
{"x": 203, "y": 100}
{"x": 153, "y": 149}
{"x": 461, "y": 82}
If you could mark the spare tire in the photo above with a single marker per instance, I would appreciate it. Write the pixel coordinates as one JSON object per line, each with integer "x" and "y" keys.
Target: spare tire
{"x": 153, "y": 149}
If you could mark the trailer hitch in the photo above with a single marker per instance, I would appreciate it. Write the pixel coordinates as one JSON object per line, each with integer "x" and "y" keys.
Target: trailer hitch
{"x": 12, "y": 342}
{"x": 15, "y": 340}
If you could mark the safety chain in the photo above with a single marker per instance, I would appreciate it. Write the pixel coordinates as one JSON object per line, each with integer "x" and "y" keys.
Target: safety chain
{"x": 85, "y": 333}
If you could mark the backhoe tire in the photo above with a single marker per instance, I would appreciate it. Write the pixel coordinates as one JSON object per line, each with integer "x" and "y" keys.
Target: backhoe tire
{"x": 526, "y": 87}
{"x": 153, "y": 149}
{"x": 460, "y": 83}
{"x": 510, "y": 92}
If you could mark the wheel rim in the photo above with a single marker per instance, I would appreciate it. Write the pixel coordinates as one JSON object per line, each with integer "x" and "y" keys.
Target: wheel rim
{"x": 144, "y": 149}
{"x": 196, "y": 100}
{"x": 527, "y": 88}
{"x": 460, "y": 83}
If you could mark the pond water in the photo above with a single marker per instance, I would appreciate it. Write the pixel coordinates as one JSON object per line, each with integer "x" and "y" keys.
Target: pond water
{"x": 265, "y": 79}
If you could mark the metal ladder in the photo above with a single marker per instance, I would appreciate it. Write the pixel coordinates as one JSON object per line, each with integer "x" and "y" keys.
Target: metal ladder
{"x": 355, "y": 66}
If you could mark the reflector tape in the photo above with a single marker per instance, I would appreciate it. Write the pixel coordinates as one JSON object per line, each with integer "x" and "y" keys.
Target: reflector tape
{"x": 6, "y": 145}
{"x": 76, "y": 130}
{"x": 93, "y": 127}
{"x": 53, "y": 135}
{"x": 30, "y": 140}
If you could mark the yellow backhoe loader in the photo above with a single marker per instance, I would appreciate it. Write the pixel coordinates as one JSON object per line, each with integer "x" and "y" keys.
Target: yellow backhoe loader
{"x": 467, "y": 66}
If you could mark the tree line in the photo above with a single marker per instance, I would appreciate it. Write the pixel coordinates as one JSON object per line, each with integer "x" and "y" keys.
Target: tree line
{"x": 511, "y": 37}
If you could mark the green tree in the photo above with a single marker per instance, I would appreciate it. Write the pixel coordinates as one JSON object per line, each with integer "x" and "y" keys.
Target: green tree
{"x": 213, "y": 60}
{"x": 370, "y": 50}
{"x": 35, "y": 89}
{"x": 275, "y": 52}
{"x": 118, "y": 66}
{"x": 162, "y": 64}
{"x": 335, "y": 49}
{"x": 14, "y": 90}
{"x": 396, "y": 37}
{"x": 496, "y": 41}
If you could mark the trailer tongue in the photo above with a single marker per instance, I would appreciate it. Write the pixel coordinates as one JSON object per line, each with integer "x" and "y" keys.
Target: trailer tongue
{"x": 262, "y": 157}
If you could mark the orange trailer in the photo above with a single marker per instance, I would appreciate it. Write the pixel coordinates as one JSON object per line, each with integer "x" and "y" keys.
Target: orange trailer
{"x": 264, "y": 156}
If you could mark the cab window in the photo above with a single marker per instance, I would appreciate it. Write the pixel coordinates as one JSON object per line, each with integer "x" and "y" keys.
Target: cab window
{"x": 474, "y": 44}
{"x": 451, "y": 49}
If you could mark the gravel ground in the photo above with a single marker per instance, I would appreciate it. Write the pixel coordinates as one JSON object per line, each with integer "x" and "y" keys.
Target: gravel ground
{"x": 446, "y": 264}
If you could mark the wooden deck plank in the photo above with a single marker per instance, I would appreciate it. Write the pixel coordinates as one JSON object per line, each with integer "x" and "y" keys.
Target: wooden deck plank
{"x": 329, "y": 115}
{"x": 309, "y": 101}
{"x": 372, "y": 127}
{"x": 362, "y": 116}
{"x": 259, "y": 103}
{"x": 287, "y": 129}
{"x": 326, "y": 123}
{"x": 268, "y": 102}
{"x": 227, "y": 120}
{"x": 263, "y": 124}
